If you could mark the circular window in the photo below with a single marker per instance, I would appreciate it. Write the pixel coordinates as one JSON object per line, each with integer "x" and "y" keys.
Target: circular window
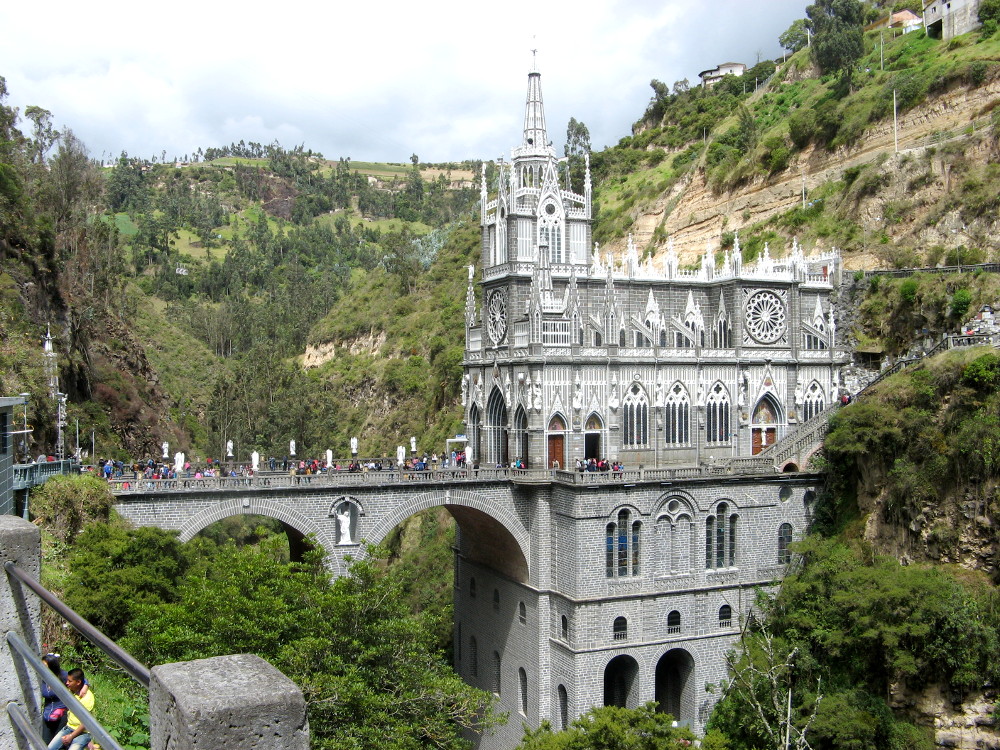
{"x": 550, "y": 209}
{"x": 496, "y": 317}
{"x": 765, "y": 317}
{"x": 673, "y": 506}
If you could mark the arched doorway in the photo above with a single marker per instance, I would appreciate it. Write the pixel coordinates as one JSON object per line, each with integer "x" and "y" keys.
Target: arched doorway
{"x": 557, "y": 442}
{"x": 592, "y": 437}
{"x": 496, "y": 429}
{"x": 674, "y": 692}
{"x": 764, "y": 424}
{"x": 620, "y": 677}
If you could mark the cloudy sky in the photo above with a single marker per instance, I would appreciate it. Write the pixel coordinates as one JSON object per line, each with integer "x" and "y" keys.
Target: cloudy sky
{"x": 369, "y": 80}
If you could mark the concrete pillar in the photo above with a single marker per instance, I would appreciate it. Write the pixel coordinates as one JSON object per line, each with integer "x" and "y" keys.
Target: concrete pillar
{"x": 226, "y": 701}
{"x": 20, "y": 612}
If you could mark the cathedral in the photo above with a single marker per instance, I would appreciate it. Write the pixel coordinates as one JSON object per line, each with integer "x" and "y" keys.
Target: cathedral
{"x": 636, "y": 588}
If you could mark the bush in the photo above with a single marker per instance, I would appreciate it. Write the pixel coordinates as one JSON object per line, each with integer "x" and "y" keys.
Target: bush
{"x": 982, "y": 373}
{"x": 960, "y": 302}
{"x": 802, "y": 127}
{"x": 908, "y": 290}
{"x": 977, "y": 72}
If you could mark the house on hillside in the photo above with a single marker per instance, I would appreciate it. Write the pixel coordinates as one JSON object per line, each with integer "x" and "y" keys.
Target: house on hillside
{"x": 711, "y": 77}
{"x": 944, "y": 19}
{"x": 906, "y": 20}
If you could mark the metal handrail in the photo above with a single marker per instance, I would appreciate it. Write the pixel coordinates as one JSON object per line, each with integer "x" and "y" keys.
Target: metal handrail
{"x": 87, "y": 719}
{"x": 20, "y": 718}
{"x": 138, "y": 671}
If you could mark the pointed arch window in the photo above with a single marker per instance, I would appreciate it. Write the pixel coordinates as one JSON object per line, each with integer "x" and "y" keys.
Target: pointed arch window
{"x": 496, "y": 429}
{"x": 677, "y": 416}
{"x": 722, "y": 333}
{"x": 474, "y": 433}
{"x": 663, "y": 337}
{"x": 521, "y": 435}
{"x": 622, "y": 550}
{"x": 621, "y": 337}
{"x": 718, "y": 413}
{"x": 635, "y": 418}
{"x": 813, "y": 403}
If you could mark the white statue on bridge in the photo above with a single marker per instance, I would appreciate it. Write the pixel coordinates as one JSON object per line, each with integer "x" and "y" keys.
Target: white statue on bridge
{"x": 400, "y": 454}
{"x": 291, "y": 447}
{"x": 166, "y": 449}
{"x": 255, "y": 461}
{"x": 229, "y": 449}
{"x": 178, "y": 462}
{"x": 344, "y": 524}
{"x": 354, "y": 446}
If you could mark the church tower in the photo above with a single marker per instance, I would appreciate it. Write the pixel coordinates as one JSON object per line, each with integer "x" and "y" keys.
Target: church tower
{"x": 637, "y": 395}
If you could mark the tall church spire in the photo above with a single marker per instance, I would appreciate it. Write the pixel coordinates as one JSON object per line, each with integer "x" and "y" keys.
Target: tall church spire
{"x": 536, "y": 139}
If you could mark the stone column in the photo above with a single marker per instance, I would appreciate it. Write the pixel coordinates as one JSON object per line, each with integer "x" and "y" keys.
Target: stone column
{"x": 20, "y": 612}
{"x": 226, "y": 701}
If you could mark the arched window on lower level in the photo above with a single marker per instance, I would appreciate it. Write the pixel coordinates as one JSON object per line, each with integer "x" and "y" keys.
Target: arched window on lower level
{"x": 563, "y": 707}
{"x": 564, "y": 628}
{"x": 473, "y": 657}
{"x": 496, "y": 600}
{"x": 674, "y": 622}
{"x": 725, "y": 616}
{"x": 620, "y": 629}
{"x": 522, "y": 678}
{"x": 522, "y": 613}
{"x": 496, "y": 672}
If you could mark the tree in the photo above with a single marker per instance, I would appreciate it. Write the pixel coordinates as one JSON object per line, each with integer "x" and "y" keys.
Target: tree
{"x": 44, "y": 134}
{"x": 795, "y": 37}
{"x": 681, "y": 87}
{"x": 114, "y": 570}
{"x": 612, "y": 728}
{"x": 837, "y": 26}
{"x": 366, "y": 665}
{"x": 577, "y": 146}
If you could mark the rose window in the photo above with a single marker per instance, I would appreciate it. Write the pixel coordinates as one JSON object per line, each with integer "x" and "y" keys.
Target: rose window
{"x": 765, "y": 317}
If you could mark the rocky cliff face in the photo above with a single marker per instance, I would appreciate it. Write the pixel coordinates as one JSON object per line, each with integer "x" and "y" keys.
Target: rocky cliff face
{"x": 692, "y": 214}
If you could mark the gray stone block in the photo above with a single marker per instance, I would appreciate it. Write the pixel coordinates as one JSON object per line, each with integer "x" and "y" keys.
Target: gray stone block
{"x": 20, "y": 612}
{"x": 226, "y": 701}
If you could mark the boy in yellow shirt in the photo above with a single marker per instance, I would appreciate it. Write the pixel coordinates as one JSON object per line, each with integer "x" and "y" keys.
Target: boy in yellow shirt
{"x": 74, "y": 736}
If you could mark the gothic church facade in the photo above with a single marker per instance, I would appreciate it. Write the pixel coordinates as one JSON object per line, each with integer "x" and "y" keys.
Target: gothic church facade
{"x": 636, "y": 588}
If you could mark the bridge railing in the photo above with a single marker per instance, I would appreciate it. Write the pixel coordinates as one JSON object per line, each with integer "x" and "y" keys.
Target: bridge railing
{"x": 29, "y": 475}
{"x": 184, "y": 705}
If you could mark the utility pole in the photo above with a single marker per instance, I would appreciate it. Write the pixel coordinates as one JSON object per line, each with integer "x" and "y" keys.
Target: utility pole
{"x": 895, "y": 125}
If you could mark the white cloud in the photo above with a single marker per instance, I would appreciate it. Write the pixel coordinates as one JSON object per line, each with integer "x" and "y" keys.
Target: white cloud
{"x": 445, "y": 80}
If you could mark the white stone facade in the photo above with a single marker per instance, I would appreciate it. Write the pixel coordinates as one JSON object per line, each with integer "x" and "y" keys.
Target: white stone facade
{"x": 635, "y": 591}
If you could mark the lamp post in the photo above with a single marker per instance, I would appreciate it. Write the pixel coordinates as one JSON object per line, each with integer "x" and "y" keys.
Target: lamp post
{"x": 24, "y": 435}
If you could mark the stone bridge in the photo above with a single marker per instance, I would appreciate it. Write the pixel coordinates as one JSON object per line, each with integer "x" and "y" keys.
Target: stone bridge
{"x": 493, "y": 517}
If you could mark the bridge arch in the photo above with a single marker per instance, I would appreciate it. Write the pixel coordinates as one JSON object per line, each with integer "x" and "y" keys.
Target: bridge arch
{"x": 492, "y": 533}
{"x": 242, "y": 506}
